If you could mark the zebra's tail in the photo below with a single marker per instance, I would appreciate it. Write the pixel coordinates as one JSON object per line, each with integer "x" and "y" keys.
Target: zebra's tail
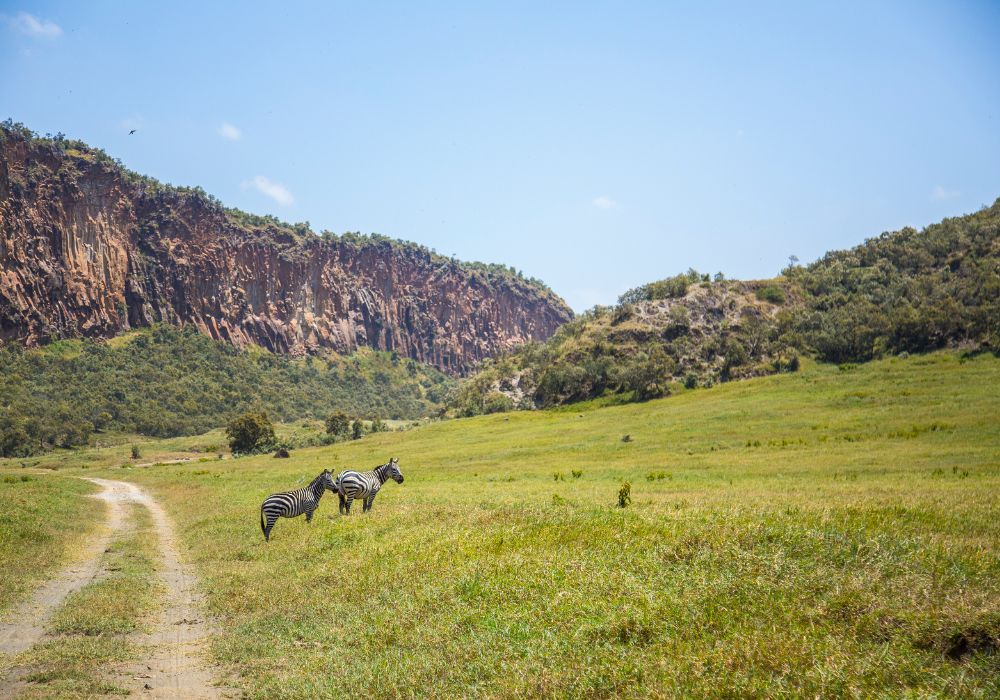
{"x": 263, "y": 526}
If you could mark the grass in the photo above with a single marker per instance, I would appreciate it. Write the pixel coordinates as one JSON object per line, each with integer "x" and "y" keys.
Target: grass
{"x": 91, "y": 630}
{"x": 45, "y": 523}
{"x": 830, "y": 533}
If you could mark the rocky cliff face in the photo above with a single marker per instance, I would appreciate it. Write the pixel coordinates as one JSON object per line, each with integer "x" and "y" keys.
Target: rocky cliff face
{"x": 89, "y": 249}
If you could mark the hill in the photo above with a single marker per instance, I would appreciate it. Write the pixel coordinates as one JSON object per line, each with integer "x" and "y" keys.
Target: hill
{"x": 166, "y": 381}
{"x": 828, "y": 533}
{"x": 904, "y": 291}
{"x": 90, "y": 249}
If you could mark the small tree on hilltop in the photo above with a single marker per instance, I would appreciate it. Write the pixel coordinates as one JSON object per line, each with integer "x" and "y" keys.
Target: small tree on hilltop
{"x": 250, "y": 432}
{"x": 357, "y": 430}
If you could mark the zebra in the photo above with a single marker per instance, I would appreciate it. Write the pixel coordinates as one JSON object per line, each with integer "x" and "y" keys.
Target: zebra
{"x": 291, "y": 504}
{"x": 365, "y": 485}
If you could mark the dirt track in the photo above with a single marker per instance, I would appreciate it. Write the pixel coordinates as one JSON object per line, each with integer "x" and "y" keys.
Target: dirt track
{"x": 175, "y": 667}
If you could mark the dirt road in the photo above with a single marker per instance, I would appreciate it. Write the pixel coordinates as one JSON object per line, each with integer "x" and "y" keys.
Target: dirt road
{"x": 175, "y": 667}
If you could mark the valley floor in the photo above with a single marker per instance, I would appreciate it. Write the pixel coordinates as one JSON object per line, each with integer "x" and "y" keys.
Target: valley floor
{"x": 832, "y": 533}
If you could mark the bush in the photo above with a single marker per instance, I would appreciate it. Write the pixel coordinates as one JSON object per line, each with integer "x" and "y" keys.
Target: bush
{"x": 136, "y": 452}
{"x": 496, "y": 402}
{"x": 691, "y": 381}
{"x": 378, "y": 426}
{"x": 670, "y": 288}
{"x": 357, "y": 430}
{"x": 250, "y": 432}
{"x": 338, "y": 424}
{"x": 625, "y": 495}
{"x": 772, "y": 294}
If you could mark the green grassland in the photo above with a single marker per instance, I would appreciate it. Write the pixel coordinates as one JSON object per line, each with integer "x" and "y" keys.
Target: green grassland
{"x": 833, "y": 532}
{"x": 44, "y": 524}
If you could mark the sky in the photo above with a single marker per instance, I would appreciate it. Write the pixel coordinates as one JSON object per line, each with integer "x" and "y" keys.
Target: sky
{"x": 594, "y": 145}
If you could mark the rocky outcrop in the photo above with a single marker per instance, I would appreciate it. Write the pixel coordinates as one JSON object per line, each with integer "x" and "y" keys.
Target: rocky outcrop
{"x": 90, "y": 249}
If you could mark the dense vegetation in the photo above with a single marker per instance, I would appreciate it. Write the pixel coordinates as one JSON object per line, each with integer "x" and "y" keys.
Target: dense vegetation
{"x": 685, "y": 331}
{"x": 907, "y": 291}
{"x": 167, "y": 381}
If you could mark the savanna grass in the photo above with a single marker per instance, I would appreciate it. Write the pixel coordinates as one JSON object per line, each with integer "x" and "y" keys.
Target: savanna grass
{"x": 815, "y": 538}
{"x": 45, "y": 522}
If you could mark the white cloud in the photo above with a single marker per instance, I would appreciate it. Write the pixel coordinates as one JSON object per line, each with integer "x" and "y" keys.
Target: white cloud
{"x": 604, "y": 202}
{"x": 275, "y": 190}
{"x": 230, "y": 132}
{"x": 939, "y": 194}
{"x": 32, "y": 26}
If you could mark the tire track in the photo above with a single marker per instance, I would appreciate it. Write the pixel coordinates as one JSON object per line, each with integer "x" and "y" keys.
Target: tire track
{"x": 23, "y": 626}
{"x": 175, "y": 667}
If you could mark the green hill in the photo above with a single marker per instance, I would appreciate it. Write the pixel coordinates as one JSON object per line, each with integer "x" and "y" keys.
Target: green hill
{"x": 905, "y": 291}
{"x": 167, "y": 381}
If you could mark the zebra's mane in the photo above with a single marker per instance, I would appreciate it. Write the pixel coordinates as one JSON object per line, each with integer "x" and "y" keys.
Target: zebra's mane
{"x": 315, "y": 482}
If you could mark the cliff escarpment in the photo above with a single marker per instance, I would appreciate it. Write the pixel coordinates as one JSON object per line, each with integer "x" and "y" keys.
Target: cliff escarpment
{"x": 89, "y": 249}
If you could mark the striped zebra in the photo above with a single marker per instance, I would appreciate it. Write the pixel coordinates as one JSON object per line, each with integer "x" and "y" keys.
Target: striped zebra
{"x": 365, "y": 485}
{"x": 292, "y": 504}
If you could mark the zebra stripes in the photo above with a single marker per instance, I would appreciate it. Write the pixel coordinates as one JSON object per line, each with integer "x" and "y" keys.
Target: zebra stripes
{"x": 365, "y": 485}
{"x": 291, "y": 504}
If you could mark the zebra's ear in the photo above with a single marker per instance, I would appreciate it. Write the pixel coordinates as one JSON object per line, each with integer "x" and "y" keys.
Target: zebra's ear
{"x": 394, "y": 460}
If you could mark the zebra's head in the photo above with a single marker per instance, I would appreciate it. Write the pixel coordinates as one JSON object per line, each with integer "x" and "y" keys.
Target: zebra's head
{"x": 393, "y": 470}
{"x": 328, "y": 480}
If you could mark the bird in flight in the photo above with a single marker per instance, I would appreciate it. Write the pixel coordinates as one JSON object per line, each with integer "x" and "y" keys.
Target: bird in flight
{"x": 131, "y": 132}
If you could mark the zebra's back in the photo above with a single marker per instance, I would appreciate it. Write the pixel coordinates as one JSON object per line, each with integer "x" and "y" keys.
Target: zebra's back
{"x": 289, "y": 504}
{"x": 354, "y": 484}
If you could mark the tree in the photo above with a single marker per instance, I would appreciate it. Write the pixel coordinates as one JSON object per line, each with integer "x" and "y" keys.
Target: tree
{"x": 378, "y": 425}
{"x": 648, "y": 376}
{"x": 357, "y": 430}
{"x": 250, "y": 432}
{"x": 338, "y": 424}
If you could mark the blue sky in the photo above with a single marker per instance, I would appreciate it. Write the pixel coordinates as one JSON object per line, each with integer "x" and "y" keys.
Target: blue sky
{"x": 596, "y": 146}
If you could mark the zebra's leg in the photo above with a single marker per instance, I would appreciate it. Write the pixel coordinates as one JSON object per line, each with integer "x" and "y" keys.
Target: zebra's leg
{"x": 350, "y": 500}
{"x": 368, "y": 503}
{"x": 309, "y": 515}
{"x": 267, "y": 529}
{"x": 342, "y": 501}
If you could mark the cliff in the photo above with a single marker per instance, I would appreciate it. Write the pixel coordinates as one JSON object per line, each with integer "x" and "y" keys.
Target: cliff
{"x": 90, "y": 249}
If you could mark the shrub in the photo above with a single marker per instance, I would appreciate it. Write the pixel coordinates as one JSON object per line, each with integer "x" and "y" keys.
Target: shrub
{"x": 378, "y": 426}
{"x": 136, "y": 452}
{"x": 772, "y": 294}
{"x": 250, "y": 432}
{"x": 497, "y": 402}
{"x": 691, "y": 381}
{"x": 357, "y": 430}
{"x": 625, "y": 495}
{"x": 577, "y": 473}
{"x": 338, "y": 424}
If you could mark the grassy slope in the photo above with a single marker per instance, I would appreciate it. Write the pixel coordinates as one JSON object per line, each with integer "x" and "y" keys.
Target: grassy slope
{"x": 44, "y": 523}
{"x": 846, "y": 554}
